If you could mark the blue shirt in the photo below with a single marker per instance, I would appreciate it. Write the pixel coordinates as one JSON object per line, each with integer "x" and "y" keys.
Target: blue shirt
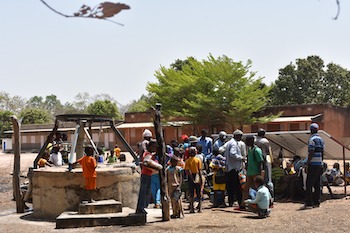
{"x": 262, "y": 198}
{"x": 316, "y": 144}
{"x": 218, "y": 143}
{"x": 207, "y": 146}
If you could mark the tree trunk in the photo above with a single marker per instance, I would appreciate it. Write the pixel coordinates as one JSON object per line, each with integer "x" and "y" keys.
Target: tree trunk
{"x": 162, "y": 158}
{"x": 17, "y": 166}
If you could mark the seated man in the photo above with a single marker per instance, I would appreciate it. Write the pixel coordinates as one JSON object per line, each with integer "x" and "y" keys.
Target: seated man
{"x": 277, "y": 174}
{"x": 260, "y": 204}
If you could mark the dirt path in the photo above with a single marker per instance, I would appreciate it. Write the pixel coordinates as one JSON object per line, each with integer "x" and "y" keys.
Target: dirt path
{"x": 332, "y": 216}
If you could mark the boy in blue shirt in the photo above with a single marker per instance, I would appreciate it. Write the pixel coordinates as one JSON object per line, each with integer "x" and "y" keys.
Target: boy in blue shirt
{"x": 260, "y": 204}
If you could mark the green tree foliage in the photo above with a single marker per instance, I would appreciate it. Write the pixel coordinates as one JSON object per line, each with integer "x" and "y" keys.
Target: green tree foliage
{"x": 336, "y": 85}
{"x": 213, "y": 91}
{"x": 5, "y": 121}
{"x": 140, "y": 105}
{"x": 35, "y": 116}
{"x": 309, "y": 82}
{"x": 105, "y": 108}
{"x": 52, "y": 104}
{"x": 35, "y": 102}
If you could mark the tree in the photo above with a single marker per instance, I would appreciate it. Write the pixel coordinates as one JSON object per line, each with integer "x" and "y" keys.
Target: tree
{"x": 5, "y": 121}
{"x": 35, "y": 116}
{"x": 52, "y": 104}
{"x": 336, "y": 84}
{"x": 140, "y": 105}
{"x": 309, "y": 82}
{"x": 82, "y": 101}
{"x": 105, "y": 108}
{"x": 35, "y": 102}
{"x": 14, "y": 104}
{"x": 213, "y": 91}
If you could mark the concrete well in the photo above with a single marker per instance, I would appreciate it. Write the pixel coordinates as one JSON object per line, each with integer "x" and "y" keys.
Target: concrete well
{"x": 56, "y": 190}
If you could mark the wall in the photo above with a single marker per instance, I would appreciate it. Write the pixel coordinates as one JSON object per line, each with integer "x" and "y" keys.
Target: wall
{"x": 56, "y": 190}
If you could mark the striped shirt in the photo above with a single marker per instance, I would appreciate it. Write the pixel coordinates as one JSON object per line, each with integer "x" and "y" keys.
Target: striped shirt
{"x": 316, "y": 144}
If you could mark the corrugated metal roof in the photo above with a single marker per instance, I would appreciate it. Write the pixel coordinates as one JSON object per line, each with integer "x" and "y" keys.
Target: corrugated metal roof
{"x": 295, "y": 143}
{"x": 50, "y": 129}
{"x": 151, "y": 125}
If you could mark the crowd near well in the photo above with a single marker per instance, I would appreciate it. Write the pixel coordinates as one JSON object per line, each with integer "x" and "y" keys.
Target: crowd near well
{"x": 238, "y": 172}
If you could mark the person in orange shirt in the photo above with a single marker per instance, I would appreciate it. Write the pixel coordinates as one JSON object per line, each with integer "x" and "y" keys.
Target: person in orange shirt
{"x": 117, "y": 151}
{"x": 89, "y": 164}
{"x": 193, "y": 167}
{"x": 44, "y": 160}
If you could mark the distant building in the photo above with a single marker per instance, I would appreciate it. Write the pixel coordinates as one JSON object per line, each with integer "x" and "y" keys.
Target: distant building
{"x": 332, "y": 119}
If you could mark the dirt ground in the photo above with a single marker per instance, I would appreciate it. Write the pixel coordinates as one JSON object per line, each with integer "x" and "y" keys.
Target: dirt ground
{"x": 333, "y": 215}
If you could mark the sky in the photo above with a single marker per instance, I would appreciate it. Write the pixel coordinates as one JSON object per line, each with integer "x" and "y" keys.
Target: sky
{"x": 43, "y": 53}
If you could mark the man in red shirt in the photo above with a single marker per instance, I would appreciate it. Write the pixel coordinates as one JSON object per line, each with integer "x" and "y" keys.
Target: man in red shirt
{"x": 146, "y": 173}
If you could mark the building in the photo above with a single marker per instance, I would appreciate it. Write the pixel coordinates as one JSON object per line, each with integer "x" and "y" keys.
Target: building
{"x": 332, "y": 119}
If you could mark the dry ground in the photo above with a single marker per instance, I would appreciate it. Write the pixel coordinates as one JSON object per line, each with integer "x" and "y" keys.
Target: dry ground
{"x": 333, "y": 215}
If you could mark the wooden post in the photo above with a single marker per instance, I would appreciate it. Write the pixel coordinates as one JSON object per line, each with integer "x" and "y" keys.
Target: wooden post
{"x": 162, "y": 158}
{"x": 17, "y": 166}
{"x": 49, "y": 139}
{"x": 344, "y": 172}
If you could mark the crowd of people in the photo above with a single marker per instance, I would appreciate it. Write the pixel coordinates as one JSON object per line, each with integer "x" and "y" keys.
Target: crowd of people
{"x": 244, "y": 171}
{"x": 229, "y": 166}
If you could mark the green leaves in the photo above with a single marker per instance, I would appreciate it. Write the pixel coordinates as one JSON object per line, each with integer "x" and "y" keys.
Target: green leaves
{"x": 309, "y": 82}
{"x": 210, "y": 92}
{"x": 105, "y": 108}
{"x": 35, "y": 116}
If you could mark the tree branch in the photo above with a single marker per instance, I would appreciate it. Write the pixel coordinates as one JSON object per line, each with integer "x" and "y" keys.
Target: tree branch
{"x": 91, "y": 16}
{"x": 338, "y": 4}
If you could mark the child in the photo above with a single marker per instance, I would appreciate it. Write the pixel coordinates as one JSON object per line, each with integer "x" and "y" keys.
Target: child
{"x": 146, "y": 174}
{"x": 260, "y": 204}
{"x": 112, "y": 157}
{"x": 219, "y": 180}
{"x": 174, "y": 179}
{"x": 117, "y": 151}
{"x": 193, "y": 167}
{"x": 44, "y": 160}
{"x": 89, "y": 164}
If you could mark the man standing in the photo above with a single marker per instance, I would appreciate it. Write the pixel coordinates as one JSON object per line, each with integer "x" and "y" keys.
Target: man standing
{"x": 207, "y": 145}
{"x": 238, "y": 134}
{"x": 264, "y": 145}
{"x": 314, "y": 167}
{"x": 233, "y": 166}
{"x": 147, "y": 135}
{"x": 220, "y": 141}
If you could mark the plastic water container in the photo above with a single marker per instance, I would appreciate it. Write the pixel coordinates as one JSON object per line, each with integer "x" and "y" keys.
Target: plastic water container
{"x": 100, "y": 159}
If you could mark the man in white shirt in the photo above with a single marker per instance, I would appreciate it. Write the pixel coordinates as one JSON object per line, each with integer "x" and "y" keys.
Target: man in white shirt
{"x": 56, "y": 156}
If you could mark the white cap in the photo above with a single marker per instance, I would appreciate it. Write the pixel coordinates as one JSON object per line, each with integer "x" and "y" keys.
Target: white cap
{"x": 237, "y": 132}
{"x": 222, "y": 133}
{"x": 147, "y": 133}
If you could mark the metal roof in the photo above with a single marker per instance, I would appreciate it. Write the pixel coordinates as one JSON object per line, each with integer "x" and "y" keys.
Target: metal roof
{"x": 151, "y": 125}
{"x": 295, "y": 143}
